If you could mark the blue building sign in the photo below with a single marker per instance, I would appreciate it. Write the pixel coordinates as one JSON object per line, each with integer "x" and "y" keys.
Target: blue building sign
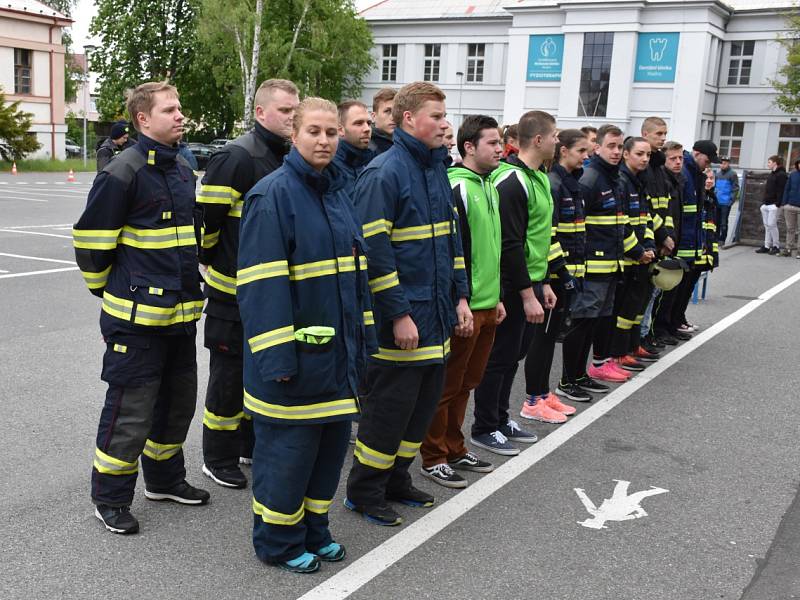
{"x": 656, "y": 57}
{"x": 545, "y": 57}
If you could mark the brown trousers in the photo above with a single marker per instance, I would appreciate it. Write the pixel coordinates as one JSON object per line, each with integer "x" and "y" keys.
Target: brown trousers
{"x": 465, "y": 367}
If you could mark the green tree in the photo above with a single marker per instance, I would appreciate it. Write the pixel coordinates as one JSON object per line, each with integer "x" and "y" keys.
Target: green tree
{"x": 788, "y": 86}
{"x": 142, "y": 40}
{"x": 15, "y": 141}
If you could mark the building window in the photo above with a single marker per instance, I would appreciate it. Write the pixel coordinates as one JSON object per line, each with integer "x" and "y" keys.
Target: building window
{"x": 789, "y": 143}
{"x": 595, "y": 74}
{"x": 741, "y": 63}
{"x": 22, "y": 71}
{"x": 475, "y": 59}
{"x": 730, "y": 140}
{"x": 389, "y": 71}
{"x": 433, "y": 53}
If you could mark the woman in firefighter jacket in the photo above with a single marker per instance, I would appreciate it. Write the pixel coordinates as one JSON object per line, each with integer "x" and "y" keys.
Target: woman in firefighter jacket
{"x": 305, "y": 306}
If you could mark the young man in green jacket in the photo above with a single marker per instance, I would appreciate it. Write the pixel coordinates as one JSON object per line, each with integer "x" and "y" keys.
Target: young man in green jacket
{"x": 476, "y": 200}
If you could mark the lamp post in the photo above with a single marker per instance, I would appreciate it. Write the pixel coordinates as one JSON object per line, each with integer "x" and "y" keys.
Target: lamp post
{"x": 460, "y": 75}
{"x": 86, "y": 50}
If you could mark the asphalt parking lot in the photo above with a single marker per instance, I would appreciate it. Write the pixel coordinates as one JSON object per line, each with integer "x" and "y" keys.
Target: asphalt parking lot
{"x": 714, "y": 425}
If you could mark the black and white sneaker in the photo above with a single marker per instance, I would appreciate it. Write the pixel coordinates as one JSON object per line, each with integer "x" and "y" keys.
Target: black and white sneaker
{"x": 590, "y": 385}
{"x": 574, "y": 392}
{"x": 470, "y": 462}
{"x": 444, "y": 475}
{"x": 231, "y": 477}
{"x": 182, "y": 493}
{"x": 117, "y": 519}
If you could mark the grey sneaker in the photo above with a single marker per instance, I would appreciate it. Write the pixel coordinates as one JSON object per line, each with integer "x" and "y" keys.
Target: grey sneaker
{"x": 514, "y": 432}
{"x": 495, "y": 442}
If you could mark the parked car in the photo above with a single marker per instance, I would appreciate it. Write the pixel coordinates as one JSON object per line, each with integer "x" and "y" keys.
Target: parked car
{"x": 218, "y": 143}
{"x": 202, "y": 152}
{"x": 72, "y": 149}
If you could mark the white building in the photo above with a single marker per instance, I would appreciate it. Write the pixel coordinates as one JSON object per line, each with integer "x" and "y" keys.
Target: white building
{"x": 32, "y": 69}
{"x": 703, "y": 65}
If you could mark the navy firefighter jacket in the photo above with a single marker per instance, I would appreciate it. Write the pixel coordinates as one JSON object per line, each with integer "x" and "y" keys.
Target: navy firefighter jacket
{"x": 351, "y": 162}
{"x": 302, "y": 264}
{"x": 136, "y": 243}
{"x": 416, "y": 264}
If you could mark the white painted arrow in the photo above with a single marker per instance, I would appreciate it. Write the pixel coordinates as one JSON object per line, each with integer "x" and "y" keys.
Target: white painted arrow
{"x": 620, "y": 507}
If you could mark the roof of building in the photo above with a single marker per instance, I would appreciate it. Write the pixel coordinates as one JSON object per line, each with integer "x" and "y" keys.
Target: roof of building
{"x": 33, "y": 7}
{"x": 460, "y": 9}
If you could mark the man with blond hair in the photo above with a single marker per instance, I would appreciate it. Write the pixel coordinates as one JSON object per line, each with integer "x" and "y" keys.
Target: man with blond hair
{"x": 231, "y": 172}
{"x": 135, "y": 245}
{"x": 416, "y": 270}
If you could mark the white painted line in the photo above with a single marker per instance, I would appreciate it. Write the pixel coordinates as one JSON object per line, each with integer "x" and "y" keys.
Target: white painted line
{"x": 39, "y": 226}
{"x": 24, "y": 198}
{"x": 376, "y": 561}
{"x": 4, "y": 271}
{"x": 66, "y": 237}
{"x": 55, "y": 260}
{"x": 45, "y": 272}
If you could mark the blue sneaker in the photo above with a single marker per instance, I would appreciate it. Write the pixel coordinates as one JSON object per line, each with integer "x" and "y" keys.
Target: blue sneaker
{"x": 333, "y": 552}
{"x": 305, "y": 563}
{"x": 515, "y": 433}
{"x": 494, "y": 442}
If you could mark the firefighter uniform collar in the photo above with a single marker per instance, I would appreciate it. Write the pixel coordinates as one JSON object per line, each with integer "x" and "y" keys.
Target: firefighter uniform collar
{"x": 611, "y": 170}
{"x": 634, "y": 177}
{"x": 570, "y": 180}
{"x": 418, "y": 150}
{"x": 658, "y": 159}
{"x": 156, "y": 153}
{"x": 352, "y": 156}
{"x": 278, "y": 145}
{"x": 329, "y": 180}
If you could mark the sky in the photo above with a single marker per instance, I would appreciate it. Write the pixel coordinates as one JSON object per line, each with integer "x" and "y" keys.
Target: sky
{"x": 85, "y": 10}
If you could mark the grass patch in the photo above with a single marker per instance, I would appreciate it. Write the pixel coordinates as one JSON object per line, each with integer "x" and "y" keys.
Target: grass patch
{"x": 50, "y": 166}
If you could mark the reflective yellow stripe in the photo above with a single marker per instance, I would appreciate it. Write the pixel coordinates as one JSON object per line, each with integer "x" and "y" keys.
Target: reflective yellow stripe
{"x": 218, "y": 423}
{"x": 408, "y": 449}
{"x": 376, "y": 227}
{"x": 553, "y": 231}
{"x": 555, "y": 252}
{"x": 166, "y": 215}
{"x": 420, "y": 232}
{"x": 95, "y": 281}
{"x": 317, "y": 506}
{"x": 320, "y": 410}
{"x": 274, "y": 517}
{"x": 122, "y": 349}
{"x": 236, "y": 209}
{"x": 369, "y": 319}
{"x": 220, "y": 281}
{"x": 274, "y": 337}
{"x": 320, "y": 268}
{"x": 630, "y": 242}
{"x": 108, "y": 465}
{"x": 634, "y": 221}
{"x": 657, "y": 222}
{"x": 424, "y": 353}
{"x": 690, "y": 208}
{"x": 95, "y": 239}
{"x": 155, "y": 291}
{"x": 669, "y": 222}
{"x": 210, "y": 239}
{"x": 183, "y": 312}
{"x": 576, "y": 227}
{"x": 458, "y": 263}
{"x": 158, "y": 451}
{"x": 384, "y": 282}
{"x": 648, "y": 234}
{"x": 687, "y": 253}
{"x": 577, "y": 270}
{"x": 157, "y": 239}
{"x": 151, "y": 157}
{"x": 623, "y": 323}
{"x": 372, "y": 458}
{"x": 217, "y": 194}
{"x": 710, "y": 226}
{"x": 276, "y": 268}
{"x": 601, "y": 266}
{"x": 117, "y": 307}
{"x": 605, "y": 220}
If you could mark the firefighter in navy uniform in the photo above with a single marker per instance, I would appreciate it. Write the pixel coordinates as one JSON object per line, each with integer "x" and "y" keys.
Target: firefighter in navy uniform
{"x": 231, "y": 173}
{"x": 353, "y": 153}
{"x": 135, "y": 245}
{"x": 306, "y": 311}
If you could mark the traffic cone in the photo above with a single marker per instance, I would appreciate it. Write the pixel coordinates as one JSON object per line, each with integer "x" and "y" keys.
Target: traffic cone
{"x": 71, "y": 176}
{"x": 14, "y": 168}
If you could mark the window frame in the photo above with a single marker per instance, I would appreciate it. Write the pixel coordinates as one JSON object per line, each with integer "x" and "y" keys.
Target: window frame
{"x": 789, "y": 144}
{"x": 389, "y": 62}
{"x": 740, "y": 62}
{"x": 19, "y": 88}
{"x": 595, "y": 80}
{"x": 731, "y": 136}
{"x": 476, "y": 62}
{"x": 431, "y": 69}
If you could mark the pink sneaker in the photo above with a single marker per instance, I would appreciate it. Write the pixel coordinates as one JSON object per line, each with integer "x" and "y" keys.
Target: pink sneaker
{"x": 607, "y": 372}
{"x": 541, "y": 412}
{"x": 617, "y": 366}
{"x": 553, "y": 402}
